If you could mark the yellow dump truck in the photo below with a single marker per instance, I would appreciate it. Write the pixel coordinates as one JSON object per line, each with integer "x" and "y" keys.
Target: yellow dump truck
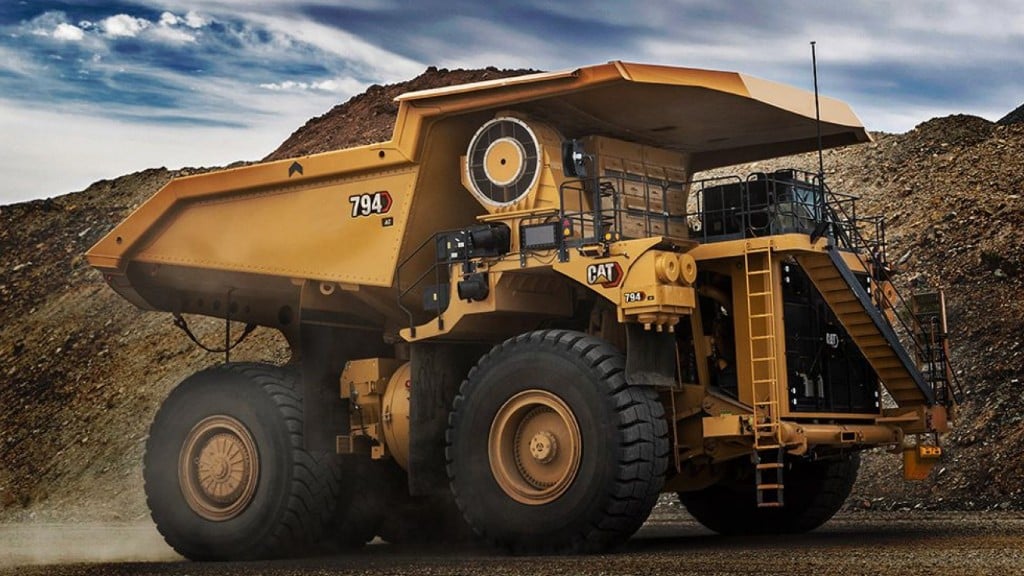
{"x": 525, "y": 305}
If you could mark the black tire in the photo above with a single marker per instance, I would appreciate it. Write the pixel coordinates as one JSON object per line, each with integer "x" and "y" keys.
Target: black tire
{"x": 295, "y": 493}
{"x": 622, "y": 432}
{"x": 356, "y": 517}
{"x": 814, "y": 492}
{"x": 413, "y": 521}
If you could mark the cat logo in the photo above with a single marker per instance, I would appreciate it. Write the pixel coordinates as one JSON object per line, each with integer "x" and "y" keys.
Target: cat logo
{"x": 832, "y": 339}
{"x": 607, "y": 274}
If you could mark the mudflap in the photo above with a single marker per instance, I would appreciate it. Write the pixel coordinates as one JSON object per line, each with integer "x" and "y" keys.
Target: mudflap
{"x": 650, "y": 357}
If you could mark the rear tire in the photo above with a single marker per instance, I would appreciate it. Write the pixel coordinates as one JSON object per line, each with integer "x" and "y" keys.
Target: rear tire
{"x": 550, "y": 451}
{"x": 814, "y": 492}
{"x": 402, "y": 519}
{"x": 226, "y": 476}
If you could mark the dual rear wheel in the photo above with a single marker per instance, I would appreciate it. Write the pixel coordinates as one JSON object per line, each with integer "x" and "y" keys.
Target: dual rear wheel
{"x": 227, "y": 477}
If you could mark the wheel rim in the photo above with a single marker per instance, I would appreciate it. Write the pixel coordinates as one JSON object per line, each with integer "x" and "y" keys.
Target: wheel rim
{"x": 218, "y": 468}
{"x": 534, "y": 447}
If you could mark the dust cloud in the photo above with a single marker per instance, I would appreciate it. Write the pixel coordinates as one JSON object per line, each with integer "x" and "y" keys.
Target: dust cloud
{"x": 38, "y": 543}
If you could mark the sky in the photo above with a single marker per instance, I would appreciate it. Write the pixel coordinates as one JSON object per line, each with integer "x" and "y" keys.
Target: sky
{"x": 96, "y": 89}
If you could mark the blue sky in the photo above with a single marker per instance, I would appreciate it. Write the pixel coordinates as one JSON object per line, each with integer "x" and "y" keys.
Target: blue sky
{"x": 96, "y": 89}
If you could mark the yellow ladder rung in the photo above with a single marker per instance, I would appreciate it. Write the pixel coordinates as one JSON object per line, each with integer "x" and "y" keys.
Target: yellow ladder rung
{"x": 768, "y": 315}
{"x": 770, "y": 487}
{"x": 769, "y": 447}
{"x": 760, "y": 293}
{"x": 770, "y": 505}
{"x": 770, "y": 465}
{"x": 757, "y": 272}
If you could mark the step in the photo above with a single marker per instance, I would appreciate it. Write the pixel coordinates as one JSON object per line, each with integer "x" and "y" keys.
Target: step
{"x": 862, "y": 330}
{"x": 899, "y": 384}
{"x": 841, "y": 297}
{"x": 833, "y": 284}
{"x": 770, "y": 465}
{"x": 871, "y": 341}
{"x": 852, "y": 306}
{"x": 890, "y": 362}
{"x": 892, "y": 373}
{"x": 902, "y": 389}
{"x": 764, "y": 487}
{"x": 769, "y": 504}
{"x": 904, "y": 397}
{"x": 858, "y": 320}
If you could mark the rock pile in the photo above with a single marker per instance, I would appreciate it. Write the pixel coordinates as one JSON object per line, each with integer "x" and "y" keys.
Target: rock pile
{"x": 1015, "y": 117}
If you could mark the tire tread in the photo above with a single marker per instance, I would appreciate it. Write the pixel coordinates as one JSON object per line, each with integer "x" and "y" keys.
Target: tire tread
{"x": 641, "y": 455}
{"x": 313, "y": 486}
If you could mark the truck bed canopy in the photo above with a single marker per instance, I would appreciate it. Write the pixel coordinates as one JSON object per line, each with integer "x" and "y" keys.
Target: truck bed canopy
{"x": 721, "y": 118}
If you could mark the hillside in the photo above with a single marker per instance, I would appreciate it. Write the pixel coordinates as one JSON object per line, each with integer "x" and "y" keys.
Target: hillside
{"x": 83, "y": 371}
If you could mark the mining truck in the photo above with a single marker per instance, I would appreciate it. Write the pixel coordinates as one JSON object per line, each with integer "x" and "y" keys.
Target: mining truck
{"x": 526, "y": 316}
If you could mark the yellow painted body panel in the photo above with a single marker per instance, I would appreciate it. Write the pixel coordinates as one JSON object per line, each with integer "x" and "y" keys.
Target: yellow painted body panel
{"x": 324, "y": 244}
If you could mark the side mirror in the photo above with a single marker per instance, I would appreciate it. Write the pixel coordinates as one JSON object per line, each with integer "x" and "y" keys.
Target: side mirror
{"x": 574, "y": 159}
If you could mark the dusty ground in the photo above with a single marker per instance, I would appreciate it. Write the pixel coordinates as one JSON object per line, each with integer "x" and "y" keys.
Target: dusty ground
{"x": 908, "y": 544}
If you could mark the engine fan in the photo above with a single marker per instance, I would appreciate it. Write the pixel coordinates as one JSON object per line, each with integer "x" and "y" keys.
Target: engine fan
{"x": 503, "y": 161}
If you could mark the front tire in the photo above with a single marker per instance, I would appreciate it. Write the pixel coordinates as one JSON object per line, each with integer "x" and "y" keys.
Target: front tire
{"x": 549, "y": 450}
{"x": 226, "y": 475}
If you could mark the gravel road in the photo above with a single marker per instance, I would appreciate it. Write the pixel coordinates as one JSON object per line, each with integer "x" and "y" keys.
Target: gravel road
{"x": 908, "y": 543}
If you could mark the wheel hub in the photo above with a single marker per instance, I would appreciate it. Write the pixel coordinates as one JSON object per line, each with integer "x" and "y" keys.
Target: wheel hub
{"x": 534, "y": 447}
{"x": 218, "y": 468}
{"x": 543, "y": 447}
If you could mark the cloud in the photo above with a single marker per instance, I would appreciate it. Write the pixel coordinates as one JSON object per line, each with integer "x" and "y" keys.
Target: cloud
{"x": 286, "y": 85}
{"x": 191, "y": 19}
{"x": 172, "y": 35}
{"x": 194, "y": 20}
{"x": 333, "y": 85}
{"x": 123, "y": 26}
{"x": 68, "y": 32}
{"x": 169, "y": 19}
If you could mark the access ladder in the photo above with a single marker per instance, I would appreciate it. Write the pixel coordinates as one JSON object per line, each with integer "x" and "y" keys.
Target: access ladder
{"x": 769, "y": 452}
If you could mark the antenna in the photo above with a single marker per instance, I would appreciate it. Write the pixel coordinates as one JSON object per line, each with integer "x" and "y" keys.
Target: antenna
{"x": 817, "y": 114}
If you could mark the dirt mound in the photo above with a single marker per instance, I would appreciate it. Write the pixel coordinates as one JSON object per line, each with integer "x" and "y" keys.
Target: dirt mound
{"x": 1015, "y": 117}
{"x": 83, "y": 371}
{"x": 369, "y": 117}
